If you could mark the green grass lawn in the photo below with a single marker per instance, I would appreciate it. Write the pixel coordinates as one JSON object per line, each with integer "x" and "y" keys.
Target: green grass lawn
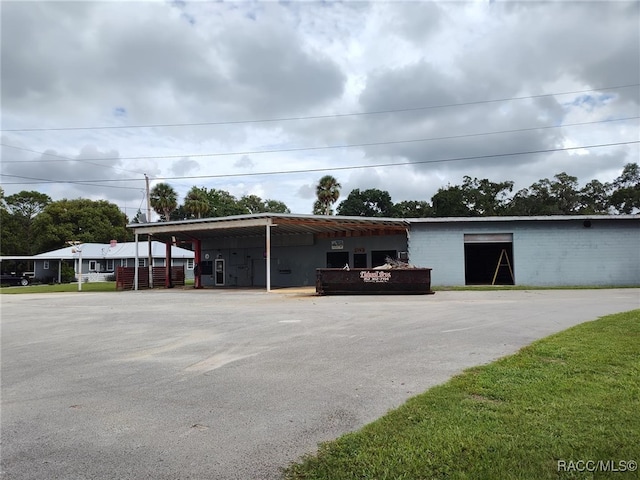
{"x": 572, "y": 397}
{"x": 68, "y": 287}
{"x": 61, "y": 287}
{"x": 490, "y": 288}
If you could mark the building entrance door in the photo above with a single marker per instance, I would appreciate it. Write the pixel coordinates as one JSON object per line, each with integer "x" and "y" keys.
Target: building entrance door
{"x": 219, "y": 272}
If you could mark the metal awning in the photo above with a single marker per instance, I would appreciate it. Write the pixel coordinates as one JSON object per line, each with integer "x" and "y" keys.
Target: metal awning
{"x": 261, "y": 225}
{"x": 287, "y": 224}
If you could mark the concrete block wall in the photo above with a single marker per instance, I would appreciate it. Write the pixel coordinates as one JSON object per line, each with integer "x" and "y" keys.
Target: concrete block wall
{"x": 546, "y": 252}
{"x": 440, "y": 247}
{"x": 568, "y": 253}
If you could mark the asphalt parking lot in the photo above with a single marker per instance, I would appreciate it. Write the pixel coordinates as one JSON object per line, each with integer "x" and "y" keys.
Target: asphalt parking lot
{"x": 236, "y": 384}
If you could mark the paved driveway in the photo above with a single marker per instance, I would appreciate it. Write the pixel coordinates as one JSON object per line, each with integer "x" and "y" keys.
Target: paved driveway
{"x": 234, "y": 385}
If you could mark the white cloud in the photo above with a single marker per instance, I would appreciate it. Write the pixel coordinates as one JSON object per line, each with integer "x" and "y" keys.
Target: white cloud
{"x": 79, "y": 64}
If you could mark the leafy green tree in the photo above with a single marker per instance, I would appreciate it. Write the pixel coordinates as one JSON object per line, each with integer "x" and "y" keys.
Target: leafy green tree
{"x": 255, "y": 204}
{"x": 368, "y": 203}
{"x": 81, "y": 220}
{"x": 196, "y": 202}
{"x": 223, "y": 204}
{"x": 276, "y": 206}
{"x": 450, "y": 202}
{"x": 23, "y": 207}
{"x": 564, "y": 190}
{"x": 547, "y": 197}
{"x": 412, "y": 209}
{"x": 327, "y": 193}
{"x": 485, "y": 198}
{"x": 27, "y": 204}
{"x": 252, "y": 204}
{"x": 626, "y": 190}
{"x": 201, "y": 202}
{"x": 523, "y": 203}
{"x": 594, "y": 198}
{"x": 11, "y": 241}
{"x": 164, "y": 200}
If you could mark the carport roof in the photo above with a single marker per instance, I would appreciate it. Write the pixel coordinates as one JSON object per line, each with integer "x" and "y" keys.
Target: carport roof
{"x": 286, "y": 224}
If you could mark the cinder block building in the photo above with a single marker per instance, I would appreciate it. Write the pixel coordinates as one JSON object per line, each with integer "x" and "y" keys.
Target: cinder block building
{"x": 281, "y": 250}
{"x": 536, "y": 251}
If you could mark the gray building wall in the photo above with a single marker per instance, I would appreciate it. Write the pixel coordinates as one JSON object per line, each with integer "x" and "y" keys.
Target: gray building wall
{"x": 294, "y": 258}
{"x": 545, "y": 252}
{"x": 49, "y": 274}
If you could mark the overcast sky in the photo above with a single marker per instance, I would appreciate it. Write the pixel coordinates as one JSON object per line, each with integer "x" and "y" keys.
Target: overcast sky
{"x": 415, "y": 95}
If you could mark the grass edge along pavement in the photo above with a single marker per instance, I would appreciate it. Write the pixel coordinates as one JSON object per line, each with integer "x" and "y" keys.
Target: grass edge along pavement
{"x": 111, "y": 287}
{"x": 551, "y": 411}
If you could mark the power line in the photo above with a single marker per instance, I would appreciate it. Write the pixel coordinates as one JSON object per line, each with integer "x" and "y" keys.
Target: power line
{"x": 63, "y": 158}
{"x": 317, "y": 117}
{"x": 419, "y": 162}
{"x": 326, "y": 147}
{"x": 353, "y": 167}
{"x": 74, "y": 182}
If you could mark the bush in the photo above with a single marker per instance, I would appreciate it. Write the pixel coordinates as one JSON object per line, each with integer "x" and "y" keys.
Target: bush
{"x": 68, "y": 274}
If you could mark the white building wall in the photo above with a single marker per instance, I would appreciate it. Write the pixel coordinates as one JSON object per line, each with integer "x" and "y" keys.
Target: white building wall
{"x": 546, "y": 253}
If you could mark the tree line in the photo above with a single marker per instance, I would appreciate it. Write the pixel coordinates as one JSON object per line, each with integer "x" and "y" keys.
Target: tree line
{"x": 201, "y": 202}
{"x": 32, "y": 223}
{"x": 475, "y": 197}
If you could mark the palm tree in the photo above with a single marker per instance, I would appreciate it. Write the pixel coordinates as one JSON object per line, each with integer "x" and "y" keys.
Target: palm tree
{"x": 197, "y": 202}
{"x": 327, "y": 192}
{"x": 164, "y": 200}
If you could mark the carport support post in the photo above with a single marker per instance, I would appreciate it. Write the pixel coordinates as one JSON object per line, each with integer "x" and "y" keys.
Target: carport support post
{"x": 167, "y": 271}
{"x": 197, "y": 268}
{"x": 135, "y": 269}
{"x": 268, "y": 255}
{"x": 150, "y": 259}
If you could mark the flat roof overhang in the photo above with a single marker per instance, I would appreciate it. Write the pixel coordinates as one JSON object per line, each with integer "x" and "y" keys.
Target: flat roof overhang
{"x": 285, "y": 224}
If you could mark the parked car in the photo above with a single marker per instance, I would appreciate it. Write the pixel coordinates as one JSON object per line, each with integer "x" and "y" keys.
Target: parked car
{"x": 14, "y": 279}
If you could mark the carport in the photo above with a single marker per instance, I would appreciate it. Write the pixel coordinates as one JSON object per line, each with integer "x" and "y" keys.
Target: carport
{"x": 268, "y": 230}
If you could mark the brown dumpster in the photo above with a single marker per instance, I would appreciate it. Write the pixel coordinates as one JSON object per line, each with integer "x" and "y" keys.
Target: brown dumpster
{"x": 337, "y": 281}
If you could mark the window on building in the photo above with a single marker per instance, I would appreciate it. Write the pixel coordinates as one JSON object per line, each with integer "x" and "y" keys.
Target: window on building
{"x": 337, "y": 259}
{"x": 190, "y": 263}
{"x": 93, "y": 266}
{"x": 45, "y": 265}
{"x": 142, "y": 262}
{"x": 123, "y": 262}
{"x": 110, "y": 266}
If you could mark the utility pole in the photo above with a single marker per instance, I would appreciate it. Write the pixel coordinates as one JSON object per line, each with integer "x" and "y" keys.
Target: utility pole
{"x": 77, "y": 248}
{"x": 149, "y": 246}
